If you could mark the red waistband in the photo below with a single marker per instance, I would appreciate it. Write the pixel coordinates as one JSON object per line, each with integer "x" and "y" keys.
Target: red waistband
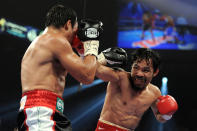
{"x": 107, "y": 126}
{"x": 40, "y": 97}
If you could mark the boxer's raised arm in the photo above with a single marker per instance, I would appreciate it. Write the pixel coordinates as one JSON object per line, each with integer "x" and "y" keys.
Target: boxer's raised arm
{"x": 82, "y": 70}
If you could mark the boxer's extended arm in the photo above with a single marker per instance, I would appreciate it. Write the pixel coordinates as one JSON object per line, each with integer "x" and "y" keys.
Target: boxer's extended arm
{"x": 106, "y": 74}
{"x": 82, "y": 70}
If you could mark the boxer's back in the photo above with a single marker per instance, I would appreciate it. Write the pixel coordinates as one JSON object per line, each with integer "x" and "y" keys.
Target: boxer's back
{"x": 40, "y": 70}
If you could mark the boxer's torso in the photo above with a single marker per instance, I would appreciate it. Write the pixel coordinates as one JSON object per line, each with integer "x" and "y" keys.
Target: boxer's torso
{"x": 40, "y": 69}
{"x": 123, "y": 106}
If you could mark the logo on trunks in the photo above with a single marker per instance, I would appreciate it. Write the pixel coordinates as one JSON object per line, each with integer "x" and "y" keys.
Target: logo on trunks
{"x": 22, "y": 102}
{"x": 60, "y": 105}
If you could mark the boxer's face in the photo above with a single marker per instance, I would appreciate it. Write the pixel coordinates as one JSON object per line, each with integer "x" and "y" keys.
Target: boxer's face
{"x": 71, "y": 29}
{"x": 75, "y": 27}
{"x": 142, "y": 73}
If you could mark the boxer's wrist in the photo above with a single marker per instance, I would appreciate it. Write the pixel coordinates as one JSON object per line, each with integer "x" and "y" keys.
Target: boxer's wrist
{"x": 101, "y": 59}
{"x": 91, "y": 47}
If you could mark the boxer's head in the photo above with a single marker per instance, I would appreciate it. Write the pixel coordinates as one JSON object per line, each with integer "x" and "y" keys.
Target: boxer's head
{"x": 145, "y": 66}
{"x": 60, "y": 16}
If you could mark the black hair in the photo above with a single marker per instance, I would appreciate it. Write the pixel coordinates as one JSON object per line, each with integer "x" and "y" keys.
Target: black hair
{"x": 146, "y": 54}
{"x": 59, "y": 14}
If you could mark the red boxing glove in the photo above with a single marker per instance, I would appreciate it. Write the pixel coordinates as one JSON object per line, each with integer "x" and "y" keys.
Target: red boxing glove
{"x": 167, "y": 106}
{"x": 78, "y": 45}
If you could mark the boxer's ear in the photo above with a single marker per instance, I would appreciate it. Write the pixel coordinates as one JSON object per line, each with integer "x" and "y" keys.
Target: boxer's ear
{"x": 156, "y": 72}
{"x": 67, "y": 25}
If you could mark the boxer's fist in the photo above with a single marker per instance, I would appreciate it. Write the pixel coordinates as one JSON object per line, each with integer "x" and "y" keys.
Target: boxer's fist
{"x": 89, "y": 29}
{"x": 89, "y": 32}
{"x": 113, "y": 57}
{"x": 167, "y": 106}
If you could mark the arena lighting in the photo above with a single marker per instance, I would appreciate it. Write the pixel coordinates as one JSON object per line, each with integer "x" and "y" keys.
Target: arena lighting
{"x": 164, "y": 88}
{"x": 24, "y": 32}
{"x": 73, "y": 89}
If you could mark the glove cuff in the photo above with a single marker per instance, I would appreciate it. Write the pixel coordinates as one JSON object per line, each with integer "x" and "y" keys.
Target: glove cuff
{"x": 167, "y": 117}
{"x": 91, "y": 47}
{"x": 101, "y": 59}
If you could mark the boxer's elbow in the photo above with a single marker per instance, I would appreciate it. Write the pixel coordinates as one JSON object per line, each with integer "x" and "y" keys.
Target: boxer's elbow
{"x": 87, "y": 79}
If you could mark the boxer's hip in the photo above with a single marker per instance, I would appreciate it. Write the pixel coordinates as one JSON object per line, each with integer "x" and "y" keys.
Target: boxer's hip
{"x": 42, "y": 98}
{"x": 42, "y": 110}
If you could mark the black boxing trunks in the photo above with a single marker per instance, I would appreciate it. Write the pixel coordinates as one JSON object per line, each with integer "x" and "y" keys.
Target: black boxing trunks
{"x": 42, "y": 110}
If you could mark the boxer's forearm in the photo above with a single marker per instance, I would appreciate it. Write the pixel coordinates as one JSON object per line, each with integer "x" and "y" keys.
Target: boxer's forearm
{"x": 106, "y": 73}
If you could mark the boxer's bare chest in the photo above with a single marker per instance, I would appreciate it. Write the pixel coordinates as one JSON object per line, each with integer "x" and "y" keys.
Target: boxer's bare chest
{"x": 137, "y": 105}
{"x": 134, "y": 104}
